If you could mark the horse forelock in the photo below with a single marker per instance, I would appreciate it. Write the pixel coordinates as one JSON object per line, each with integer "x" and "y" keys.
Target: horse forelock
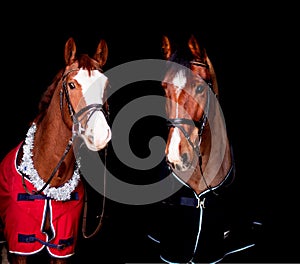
{"x": 178, "y": 70}
{"x": 182, "y": 57}
{"x": 87, "y": 63}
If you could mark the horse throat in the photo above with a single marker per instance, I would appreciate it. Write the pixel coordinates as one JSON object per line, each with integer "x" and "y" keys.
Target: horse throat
{"x": 216, "y": 161}
{"x": 209, "y": 168}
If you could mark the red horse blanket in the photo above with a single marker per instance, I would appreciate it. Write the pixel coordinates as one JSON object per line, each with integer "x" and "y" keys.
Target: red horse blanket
{"x": 23, "y": 215}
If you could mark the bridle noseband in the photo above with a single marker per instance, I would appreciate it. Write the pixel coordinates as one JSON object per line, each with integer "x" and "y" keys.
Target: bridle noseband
{"x": 178, "y": 122}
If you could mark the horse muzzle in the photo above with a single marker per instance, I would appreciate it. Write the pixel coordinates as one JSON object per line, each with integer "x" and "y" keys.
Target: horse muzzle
{"x": 94, "y": 130}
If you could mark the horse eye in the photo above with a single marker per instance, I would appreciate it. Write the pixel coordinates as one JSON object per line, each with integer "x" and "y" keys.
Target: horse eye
{"x": 71, "y": 85}
{"x": 199, "y": 89}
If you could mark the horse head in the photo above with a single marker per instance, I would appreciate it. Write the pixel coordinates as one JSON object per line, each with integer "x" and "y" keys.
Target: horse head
{"x": 82, "y": 95}
{"x": 187, "y": 86}
{"x": 74, "y": 107}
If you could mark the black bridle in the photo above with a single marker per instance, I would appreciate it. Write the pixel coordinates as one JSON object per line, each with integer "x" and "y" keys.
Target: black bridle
{"x": 89, "y": 109}
{"x": 200, "y": 124}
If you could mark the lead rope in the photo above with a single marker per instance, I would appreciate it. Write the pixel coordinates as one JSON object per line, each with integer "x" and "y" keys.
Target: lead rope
{"x": 84, "y": 218}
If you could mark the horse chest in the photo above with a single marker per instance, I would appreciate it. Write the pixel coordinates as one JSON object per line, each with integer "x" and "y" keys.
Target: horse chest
{"x": 33, "y": 222}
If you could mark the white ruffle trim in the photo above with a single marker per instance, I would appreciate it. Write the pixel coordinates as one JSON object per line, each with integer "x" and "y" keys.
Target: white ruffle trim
{"x": 61, "y": 193}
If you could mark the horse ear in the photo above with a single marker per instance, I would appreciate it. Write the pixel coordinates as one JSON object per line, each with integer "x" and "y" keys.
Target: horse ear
{"x": 213, "y": 77}
{"x": 70, "y": 51}
{"x": 101, "y": 52}
{"x": 166, "y": 47}
{"x": 199, "y": 54}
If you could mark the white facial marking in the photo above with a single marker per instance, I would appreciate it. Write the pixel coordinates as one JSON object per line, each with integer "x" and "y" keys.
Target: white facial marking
{"x": 179, "y": 79}
{"x": 173, "y": 154}
{"x": 92, "y": 86}
{"x": 97, "y": 132}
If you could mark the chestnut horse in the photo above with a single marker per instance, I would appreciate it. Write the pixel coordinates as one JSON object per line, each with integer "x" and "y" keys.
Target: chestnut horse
{"x": 41, "y": 189}
{"x": 199, "y": 158}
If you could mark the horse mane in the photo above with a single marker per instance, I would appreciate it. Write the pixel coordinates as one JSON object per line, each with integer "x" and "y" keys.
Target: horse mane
{"x": 85, "y": 62}
{"x": 47, "y": 96}
{"x": 182, "y": 57}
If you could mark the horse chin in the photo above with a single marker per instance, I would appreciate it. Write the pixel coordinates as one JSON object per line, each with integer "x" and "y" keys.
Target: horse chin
{"x": 183, "y": 172}
{"x": 184, "y": 165}
{"x": 96, "y": 145}
{"x": 179, "y": 166}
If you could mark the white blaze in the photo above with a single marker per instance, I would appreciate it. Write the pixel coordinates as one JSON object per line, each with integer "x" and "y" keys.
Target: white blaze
{"x": 173, "y": 153}
{"x": 173, "y": 156}
{"x": 97, "y": 133}
{"x": 179, "y": 79}
{"x": 92, "y": 86}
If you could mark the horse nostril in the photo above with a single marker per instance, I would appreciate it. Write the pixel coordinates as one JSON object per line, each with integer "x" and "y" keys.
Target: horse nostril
{"x": 178, "y": 167}
{"x": 184, "y": 157}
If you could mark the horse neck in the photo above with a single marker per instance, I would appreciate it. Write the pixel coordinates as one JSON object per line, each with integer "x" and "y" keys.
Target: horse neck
{"x": 51, "y": 139}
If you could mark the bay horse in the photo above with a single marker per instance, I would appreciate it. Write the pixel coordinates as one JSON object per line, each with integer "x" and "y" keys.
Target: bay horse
{"x": 192, "y": 92}
{"x": 41, "y": 186}
{"x": 198, "y": 156}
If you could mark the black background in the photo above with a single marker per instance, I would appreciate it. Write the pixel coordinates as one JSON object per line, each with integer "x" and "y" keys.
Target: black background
{"x": 248, "y": 45}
